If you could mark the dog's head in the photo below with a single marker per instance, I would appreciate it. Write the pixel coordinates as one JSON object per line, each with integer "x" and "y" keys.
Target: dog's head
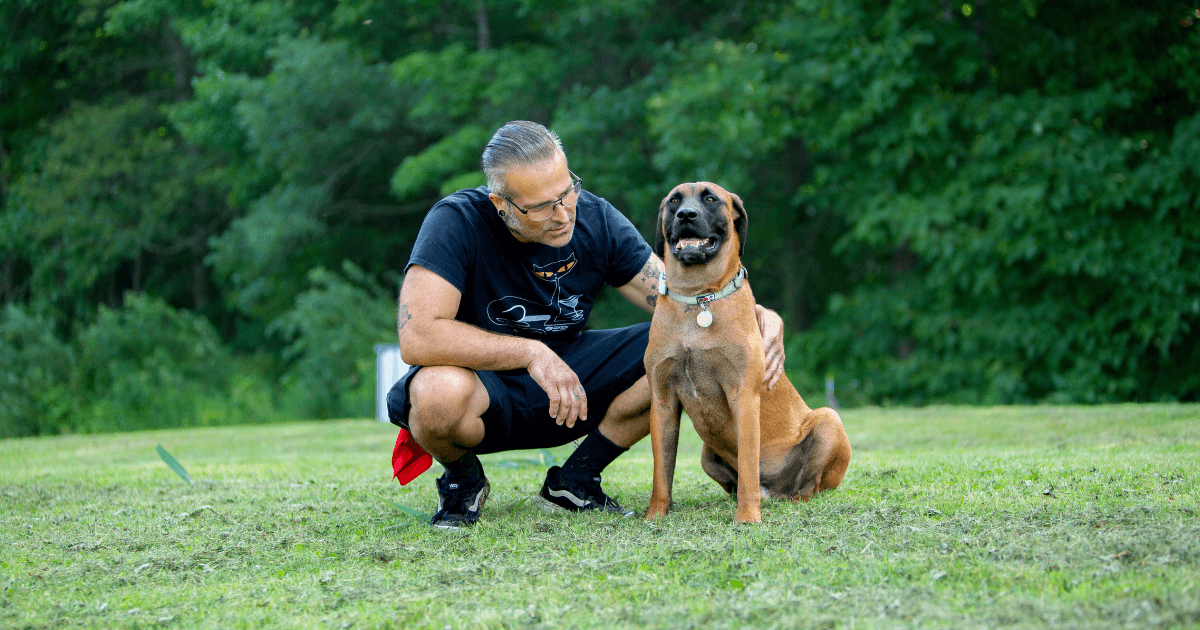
{"x": 696, "y": 219}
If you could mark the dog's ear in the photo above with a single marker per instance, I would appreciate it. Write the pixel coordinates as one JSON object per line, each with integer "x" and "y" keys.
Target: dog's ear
{"x": 739, "y": 222}
{"x": 660, "y": 238}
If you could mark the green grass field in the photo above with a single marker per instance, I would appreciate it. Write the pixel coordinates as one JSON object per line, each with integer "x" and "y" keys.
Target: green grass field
{"x": 954, "y": 517}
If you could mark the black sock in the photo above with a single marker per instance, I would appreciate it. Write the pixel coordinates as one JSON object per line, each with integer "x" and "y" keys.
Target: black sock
{"x": 465, "y": 468}
{"x": 593, "y": 455}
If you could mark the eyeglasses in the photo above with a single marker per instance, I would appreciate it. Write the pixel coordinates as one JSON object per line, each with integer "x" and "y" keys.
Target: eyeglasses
{"x": 544, "y": 211}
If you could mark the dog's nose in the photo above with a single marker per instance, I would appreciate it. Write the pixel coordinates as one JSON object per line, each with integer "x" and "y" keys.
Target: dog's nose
{"x": 686, "y": 214}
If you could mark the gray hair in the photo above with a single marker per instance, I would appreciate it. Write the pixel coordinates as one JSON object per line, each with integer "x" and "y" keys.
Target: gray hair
{"x": 517, "y": 143}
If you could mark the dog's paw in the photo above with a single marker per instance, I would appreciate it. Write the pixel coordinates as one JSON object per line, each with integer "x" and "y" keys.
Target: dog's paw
{"x": 748, "y": 514}
{"x": 657, "y": 510}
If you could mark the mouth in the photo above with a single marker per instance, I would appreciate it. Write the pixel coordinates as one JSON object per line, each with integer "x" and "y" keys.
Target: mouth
{"x": 695, "y": 243}
{"x": 693, "y": 249}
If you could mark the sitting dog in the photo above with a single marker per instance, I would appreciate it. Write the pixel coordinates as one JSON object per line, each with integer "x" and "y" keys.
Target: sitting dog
{"x": 706, "y": 357}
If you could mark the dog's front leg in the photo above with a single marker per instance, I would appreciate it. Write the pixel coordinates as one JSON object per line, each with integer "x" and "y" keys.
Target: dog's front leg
{"x": 664, "y": 442}
{"x": 749, "y": 495}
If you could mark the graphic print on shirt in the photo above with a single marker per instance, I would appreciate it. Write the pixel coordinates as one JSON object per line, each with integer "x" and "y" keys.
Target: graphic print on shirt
{"x": 526, "y": 315}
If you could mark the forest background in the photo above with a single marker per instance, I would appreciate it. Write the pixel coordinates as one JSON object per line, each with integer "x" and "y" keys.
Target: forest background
{"x": 205, "y": 207}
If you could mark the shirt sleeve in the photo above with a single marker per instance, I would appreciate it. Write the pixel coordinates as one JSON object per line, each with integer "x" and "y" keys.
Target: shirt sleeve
{"x": 442, "y": 246}
{"x": 628, "y": 251}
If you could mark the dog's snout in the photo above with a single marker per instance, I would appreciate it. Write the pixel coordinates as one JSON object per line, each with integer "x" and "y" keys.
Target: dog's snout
{"x": 686, "y": 213}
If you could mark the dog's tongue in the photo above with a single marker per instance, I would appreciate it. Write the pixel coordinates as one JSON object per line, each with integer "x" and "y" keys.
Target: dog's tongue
{"x": 688, "y": 242}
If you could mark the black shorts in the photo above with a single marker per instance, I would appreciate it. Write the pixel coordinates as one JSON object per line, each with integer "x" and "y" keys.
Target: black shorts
{"x": 607, "y": 362}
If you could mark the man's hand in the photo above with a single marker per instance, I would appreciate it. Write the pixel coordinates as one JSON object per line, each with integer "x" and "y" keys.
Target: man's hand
{"x": 770, "y": 324}
{"x": 568, "y": 401}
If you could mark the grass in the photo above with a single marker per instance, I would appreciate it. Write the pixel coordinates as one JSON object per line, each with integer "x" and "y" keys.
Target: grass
{"x": 1070, "y": 517}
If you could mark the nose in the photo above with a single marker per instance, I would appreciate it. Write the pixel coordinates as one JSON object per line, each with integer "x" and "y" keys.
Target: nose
{"x": 566, "y": 211}
{"x": 686, "y": 213}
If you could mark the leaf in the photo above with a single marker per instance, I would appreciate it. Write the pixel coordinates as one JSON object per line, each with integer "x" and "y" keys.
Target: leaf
{"x": 404, "y": 508}
{"x": 518, "y": 463}
{"x": 738, "y": 584}
{"x": 173, "y": 463}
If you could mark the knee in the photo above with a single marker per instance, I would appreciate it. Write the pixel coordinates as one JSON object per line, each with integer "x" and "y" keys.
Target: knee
{"x": 440, "y": 397}
{"x": 826, "y": 419}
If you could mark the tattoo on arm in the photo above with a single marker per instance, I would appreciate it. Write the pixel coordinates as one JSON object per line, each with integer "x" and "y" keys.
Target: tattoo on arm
{"x": 650, "y": 274}
{"x": 402, "y": 317}
{"x": 648, "y": 270}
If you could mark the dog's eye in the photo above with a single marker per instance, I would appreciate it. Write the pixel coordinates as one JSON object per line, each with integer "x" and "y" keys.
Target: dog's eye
{"x": 674, "y": 201}
{"x": 710, "y": 199}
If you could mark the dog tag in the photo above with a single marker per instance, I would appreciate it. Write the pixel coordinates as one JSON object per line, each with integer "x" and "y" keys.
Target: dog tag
{"x": 704, "y": 318}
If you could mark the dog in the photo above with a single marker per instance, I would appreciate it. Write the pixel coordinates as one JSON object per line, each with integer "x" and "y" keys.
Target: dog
{"x": 705, "y": 357}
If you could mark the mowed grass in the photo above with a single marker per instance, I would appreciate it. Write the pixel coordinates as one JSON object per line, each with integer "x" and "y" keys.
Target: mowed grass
{"x": 954, "y": 517}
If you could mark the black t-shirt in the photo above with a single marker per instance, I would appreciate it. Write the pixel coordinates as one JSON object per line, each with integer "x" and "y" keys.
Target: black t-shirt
{"x": 527, "y": 289}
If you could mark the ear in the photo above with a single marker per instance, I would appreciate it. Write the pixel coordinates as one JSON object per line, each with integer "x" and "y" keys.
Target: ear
{"x": 739, "y": 222}
{"x": 497, "y": 201}
{"x": 660, "y": 237}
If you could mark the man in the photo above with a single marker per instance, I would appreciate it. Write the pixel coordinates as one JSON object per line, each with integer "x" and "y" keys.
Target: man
{"x": 495, "y": 297}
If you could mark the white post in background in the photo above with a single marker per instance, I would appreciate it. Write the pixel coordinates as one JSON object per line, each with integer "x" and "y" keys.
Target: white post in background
{"x": 388, "y": 369}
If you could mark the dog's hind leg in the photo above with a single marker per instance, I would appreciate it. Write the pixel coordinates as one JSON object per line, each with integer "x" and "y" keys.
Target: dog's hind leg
{"x": 717, "y": 468}
{"x": 817, "y": 463}
{"x": 833, "y": 456}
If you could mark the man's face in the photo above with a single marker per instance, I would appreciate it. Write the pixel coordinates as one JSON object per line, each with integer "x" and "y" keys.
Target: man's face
{"x": 531, "y": 186}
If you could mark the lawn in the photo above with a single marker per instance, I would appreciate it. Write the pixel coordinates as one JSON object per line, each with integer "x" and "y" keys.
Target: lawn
{"x": 953, "y": 517}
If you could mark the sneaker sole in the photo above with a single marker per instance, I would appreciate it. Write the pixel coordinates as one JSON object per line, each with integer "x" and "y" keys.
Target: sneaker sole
{"x": 548, "y": 507}
{"x": 553, "y": 508}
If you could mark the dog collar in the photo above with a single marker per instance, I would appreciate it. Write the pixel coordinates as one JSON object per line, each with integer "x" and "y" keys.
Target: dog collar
{"x": 704, "y": 319}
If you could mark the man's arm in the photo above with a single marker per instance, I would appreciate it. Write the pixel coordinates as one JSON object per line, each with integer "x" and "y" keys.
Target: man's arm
{"x": 429, "y": 335}
{"x": 642, "y": 290}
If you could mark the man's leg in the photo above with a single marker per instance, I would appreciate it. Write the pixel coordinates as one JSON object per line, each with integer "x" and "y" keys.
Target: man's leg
{"x": 447, "y": 408}
{"x": 576, "y": 486}
{"x": 628, "y": 417}
{"x": 447, "y": 405}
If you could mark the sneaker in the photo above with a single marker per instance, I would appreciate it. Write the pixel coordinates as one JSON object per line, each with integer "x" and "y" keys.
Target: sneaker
{"x": 559, "y": 492}
{"x": 459, "y": 502}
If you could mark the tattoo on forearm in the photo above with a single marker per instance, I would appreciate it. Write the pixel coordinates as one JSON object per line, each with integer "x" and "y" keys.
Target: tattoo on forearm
{"x": 402, "y": 317}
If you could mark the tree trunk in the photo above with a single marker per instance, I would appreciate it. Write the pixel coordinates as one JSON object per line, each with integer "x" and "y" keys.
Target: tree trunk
{"x": 181, "y": 60}
{"x": 199, "y": 295}
{"x": 481, "y": 24}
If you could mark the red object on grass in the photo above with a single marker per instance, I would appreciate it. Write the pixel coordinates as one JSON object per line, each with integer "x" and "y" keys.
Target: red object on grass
{"x": 409, "y": 460}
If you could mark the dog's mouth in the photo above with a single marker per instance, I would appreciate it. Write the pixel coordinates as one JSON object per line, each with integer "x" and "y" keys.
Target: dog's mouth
{"x": 693, "y": 249}
{"x": 695, "y": 243}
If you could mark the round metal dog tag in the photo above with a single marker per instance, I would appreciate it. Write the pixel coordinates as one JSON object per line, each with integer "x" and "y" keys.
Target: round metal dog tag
{"x": 704, "y": 318}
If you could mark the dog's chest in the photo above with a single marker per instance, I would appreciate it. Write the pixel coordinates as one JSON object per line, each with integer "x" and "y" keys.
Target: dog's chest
{"x": 694, "y": 376}
{"x": 700, "y": 379}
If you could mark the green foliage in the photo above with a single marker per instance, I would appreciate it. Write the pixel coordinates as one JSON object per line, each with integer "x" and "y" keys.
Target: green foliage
{"x": 1041, "y": 236}
{"x": 35, "y": 374}
{"x": 148, "y": 365}
{"x": 453, "y": 157}
{"x": 101, "y": 191}
{"x": 325, "y": 121}
{"x": 331, "y": 330}
{"x": 977, "y": 203}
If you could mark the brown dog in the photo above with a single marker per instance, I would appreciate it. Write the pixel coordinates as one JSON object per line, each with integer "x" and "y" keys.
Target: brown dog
{"x": 706, "y": 357}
